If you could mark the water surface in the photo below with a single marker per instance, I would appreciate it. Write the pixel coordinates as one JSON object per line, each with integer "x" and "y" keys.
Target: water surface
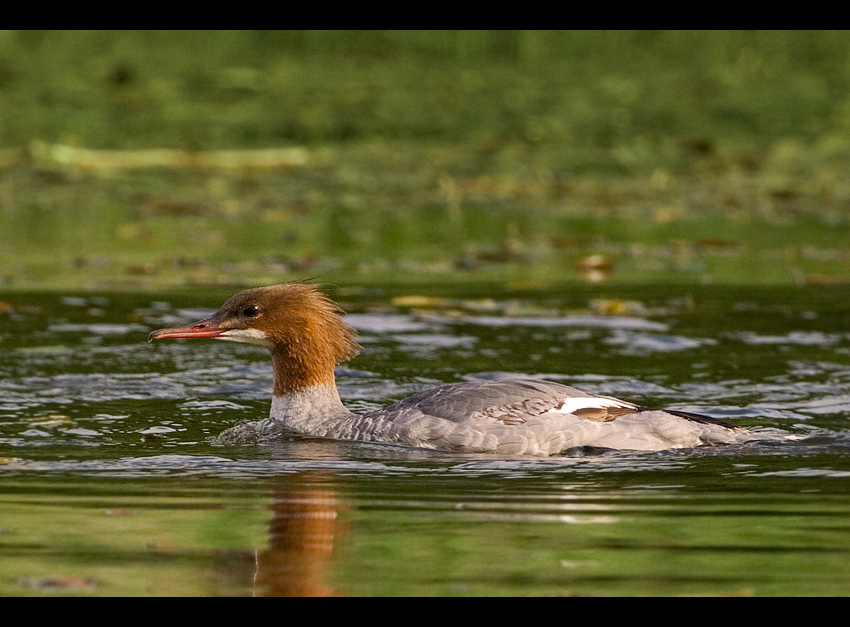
{"x": 109, "y": 485}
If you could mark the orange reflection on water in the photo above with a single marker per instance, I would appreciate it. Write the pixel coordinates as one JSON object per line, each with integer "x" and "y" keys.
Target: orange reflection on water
{"x": 303, "y": 530}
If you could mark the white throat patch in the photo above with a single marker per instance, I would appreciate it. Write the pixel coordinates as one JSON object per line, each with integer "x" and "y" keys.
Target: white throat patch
{"x": 247, "y": 336}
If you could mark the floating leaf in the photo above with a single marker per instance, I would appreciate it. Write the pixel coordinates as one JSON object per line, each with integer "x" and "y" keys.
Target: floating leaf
{"x": 595, "y": 267}
{"x": 58, "y": 582}
{"x": 414, "y": 300}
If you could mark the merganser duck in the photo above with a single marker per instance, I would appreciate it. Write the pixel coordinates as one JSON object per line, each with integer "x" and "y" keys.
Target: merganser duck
{"x": 307, "y": 338}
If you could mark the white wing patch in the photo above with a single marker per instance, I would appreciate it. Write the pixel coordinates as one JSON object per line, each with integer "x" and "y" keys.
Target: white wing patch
{"x": 572, "y": 405}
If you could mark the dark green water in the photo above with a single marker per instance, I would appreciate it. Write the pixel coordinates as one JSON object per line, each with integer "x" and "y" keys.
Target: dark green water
{"x": 109, "y": 487}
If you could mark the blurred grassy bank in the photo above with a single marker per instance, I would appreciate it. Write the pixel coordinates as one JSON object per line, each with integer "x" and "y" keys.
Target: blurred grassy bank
{"x": 138, "y": 160}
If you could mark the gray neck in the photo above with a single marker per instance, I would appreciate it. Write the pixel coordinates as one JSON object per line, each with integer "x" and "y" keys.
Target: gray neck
{"x": 316, "y": 411}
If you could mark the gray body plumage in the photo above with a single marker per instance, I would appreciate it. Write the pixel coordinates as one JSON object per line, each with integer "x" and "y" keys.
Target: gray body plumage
{"x": 307, "y": 338}
{"x": 516, "y": 416}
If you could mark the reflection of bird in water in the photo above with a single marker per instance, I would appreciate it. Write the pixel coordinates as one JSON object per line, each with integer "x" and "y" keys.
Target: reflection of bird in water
{"x": 513, "y": 416}
{"x": 303, "y": 530}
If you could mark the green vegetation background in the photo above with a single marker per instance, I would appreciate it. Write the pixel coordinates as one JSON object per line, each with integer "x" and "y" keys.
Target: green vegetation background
{"x": 519, "y": 156}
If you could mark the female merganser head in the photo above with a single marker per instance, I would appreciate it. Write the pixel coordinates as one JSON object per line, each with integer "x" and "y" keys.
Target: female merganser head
{"x": 307, "y": 338}
{"x": 301, "y": 327}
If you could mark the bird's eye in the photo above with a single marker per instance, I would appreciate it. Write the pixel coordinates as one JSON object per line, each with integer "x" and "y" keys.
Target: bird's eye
{"x": 250, "y": 311}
